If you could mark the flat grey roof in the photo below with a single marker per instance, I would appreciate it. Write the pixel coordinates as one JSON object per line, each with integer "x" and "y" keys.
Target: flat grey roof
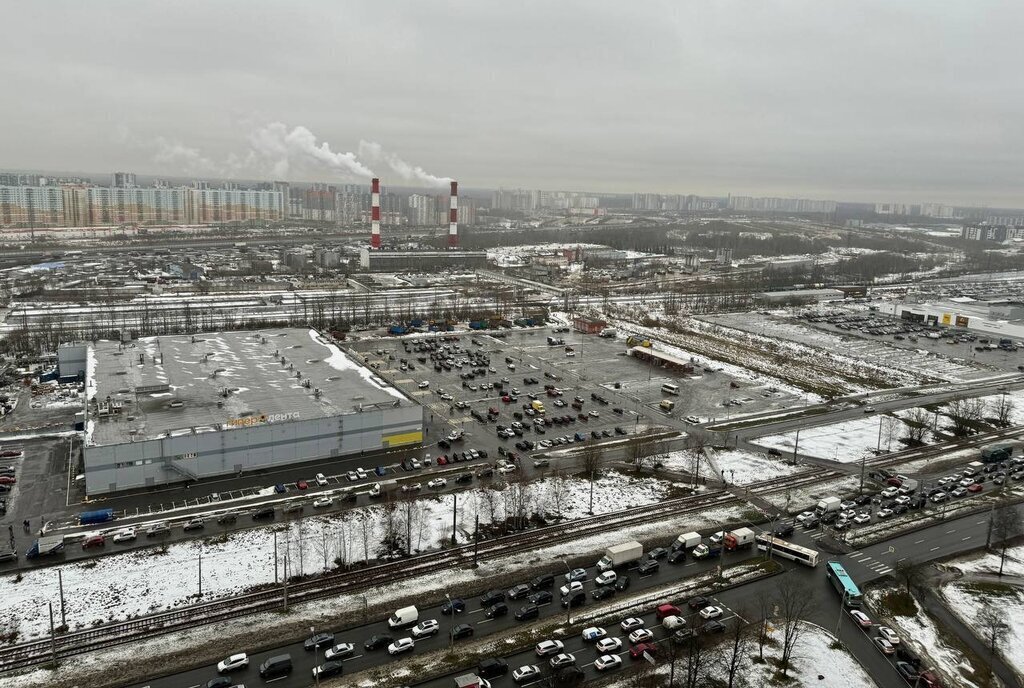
{"x": 197, "y": 369}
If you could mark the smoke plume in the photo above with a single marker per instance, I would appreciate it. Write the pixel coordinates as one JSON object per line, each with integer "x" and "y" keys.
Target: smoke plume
{"x": 297, "y": 151}
{"x": 374, "y": 154}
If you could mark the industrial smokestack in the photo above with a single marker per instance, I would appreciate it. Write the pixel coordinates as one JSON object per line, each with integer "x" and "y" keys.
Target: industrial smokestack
{"x": 453, "y": 218}
{"x": 375, "y": 213}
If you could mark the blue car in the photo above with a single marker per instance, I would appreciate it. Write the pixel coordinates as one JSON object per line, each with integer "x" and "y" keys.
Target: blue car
{"x": 280, "y": 488}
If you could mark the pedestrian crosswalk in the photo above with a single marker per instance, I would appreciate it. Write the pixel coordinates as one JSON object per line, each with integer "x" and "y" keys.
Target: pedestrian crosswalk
{"x": 870, "y": 563}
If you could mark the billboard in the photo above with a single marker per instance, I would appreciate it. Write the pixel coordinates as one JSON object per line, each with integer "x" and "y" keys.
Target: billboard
{"x": 947, "y": 318}
{"x": 962, "y": 320}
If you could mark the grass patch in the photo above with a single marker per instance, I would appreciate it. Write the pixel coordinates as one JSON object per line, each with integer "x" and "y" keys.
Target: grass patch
{"x": 899, "y": 603}
{"x": 987, "y": 588}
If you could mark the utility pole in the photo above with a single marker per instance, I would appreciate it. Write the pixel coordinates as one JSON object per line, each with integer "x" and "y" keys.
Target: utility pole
{"x": 591, "y": 510}
{"x": 275, "y": 557}
{"x": 455, "y": 502}
{"x": 863, "y": 463}
{"x": 796, "y": 444}
{"x": 878, "y": 447}
{"x": 286, "y": 579}
{"x": 476, "y": 540}
{"x": 64, "y": 618}
{"x": 200, "y": 575}
{"x": 53, "y": 637}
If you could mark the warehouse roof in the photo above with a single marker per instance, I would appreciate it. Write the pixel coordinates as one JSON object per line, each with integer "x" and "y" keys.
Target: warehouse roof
{"x": 209, "y": 382}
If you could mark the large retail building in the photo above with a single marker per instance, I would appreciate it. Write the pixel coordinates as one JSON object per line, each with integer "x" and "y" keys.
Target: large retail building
{"x": 176, "y": 408}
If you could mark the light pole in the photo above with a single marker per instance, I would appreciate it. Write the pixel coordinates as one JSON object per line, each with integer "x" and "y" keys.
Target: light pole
{"x": 839, "y": 619}
{"x": 316, "y": 654}
{"x": 451, "y": 607}
{"x": 568, "y": 598}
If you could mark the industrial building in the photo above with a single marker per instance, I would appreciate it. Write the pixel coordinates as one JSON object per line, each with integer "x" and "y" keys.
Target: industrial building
{"x": 178, "y": 408}
{"x": 389, "y": 261}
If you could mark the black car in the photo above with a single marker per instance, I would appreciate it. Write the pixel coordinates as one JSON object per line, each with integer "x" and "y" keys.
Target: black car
{"x": 603, "y": 592}
{"x": 377, "y": 641}
{"x": 647, "y": 567}
{"x": 328, "y": 669}
{"x": 492, "y": 597}
{"x": 492, "y": 667}
{"x": 454, "y": 605}
{"x": 698, "y": 602}
{"x": 713, "y": 626}
{"x": 220, "y": 682}
{"x": 464, "y": 478}
{"x": 518, "y": 591}
{"x": 677, "y": 556}
{"x": 318, "y": 640}
{"x": 575, "y": 599}
{"x": 619, "y": 431}
{"x": 862, "y": 500}
{"x": 900, "y": 509}
{"x": 622, "y": 583}
{"x": 783, "y": 530}
{"x": 530, "y": 611}
{"x": 682, "y": 636}
{"x": 265, "y": 512}
{"x": 227, "y": 518}
{"x": 542, "y": 597}
{"x": 496, "y": 610}
{"x": 657, "y": 553}
{"x": 830, "y": 517}
{"x": 461, "y": 631}
{"x": 907, "y": 670}
{"x": 444, "y": 444}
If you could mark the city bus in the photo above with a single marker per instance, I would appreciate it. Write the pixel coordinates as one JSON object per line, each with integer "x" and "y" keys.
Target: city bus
{"x": 787, "y": 550}
{"x": 843, "y": 584}
{"x": 669, "y": 388}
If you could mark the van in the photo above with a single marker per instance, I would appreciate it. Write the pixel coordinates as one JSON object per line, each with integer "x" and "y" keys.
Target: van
{"x": 667, "y": 405}
{"x": 406, "y": 616}
{"x": 537, "y": 406}
{"x": 276, "y": 667}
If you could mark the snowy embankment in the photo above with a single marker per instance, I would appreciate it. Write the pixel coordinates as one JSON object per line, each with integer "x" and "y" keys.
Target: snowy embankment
{"x": 845, "y": 442}
{"x": 968, "y": 603}
{"x": 138, "y": 582}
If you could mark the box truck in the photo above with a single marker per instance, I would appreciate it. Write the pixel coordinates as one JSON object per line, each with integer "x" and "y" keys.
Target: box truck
{"x": 741, "y": 537}
{"x": 828, "y": 504}
{"x": 703, "y": 551}
{"x": 687, "y": 541}
{"x": 48, "y": 544}
{"x": 620, "y": 555}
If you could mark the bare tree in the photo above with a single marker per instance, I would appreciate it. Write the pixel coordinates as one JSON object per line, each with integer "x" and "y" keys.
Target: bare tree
{"x": 965, "y": 412}
{"x": 590, "y": 460}
{"x": 518, "y": 501}
{"x": 1005, "y": 526}
{"x": 795, "y": 603}
{"x": 911, "y": 573}
{"x": 558, "y": 493}
{"x": 1002, "y": 410}
{"x": 992, "y": 624}
{"x": 735, "y": 649}
{"x": 323, "y": 546}
{"x": 696, "y": 661}
{"x": 696, "y": 445}
{"x": 639, "y": 450}
{"x": 890, "y": 430}
{"x": 916, "y": 426}
{"x": 767, "y": 609}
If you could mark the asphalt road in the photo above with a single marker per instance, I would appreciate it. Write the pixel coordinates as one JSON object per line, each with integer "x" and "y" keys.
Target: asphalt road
{"x": 940, "y": 540}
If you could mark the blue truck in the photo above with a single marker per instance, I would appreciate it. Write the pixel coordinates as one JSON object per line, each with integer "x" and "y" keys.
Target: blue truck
{"x": 100, "y": 516}
{"x": 48, "y": 544}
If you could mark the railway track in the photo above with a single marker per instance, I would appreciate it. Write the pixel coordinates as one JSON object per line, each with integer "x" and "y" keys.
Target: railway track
{"x": 87, "y": 640}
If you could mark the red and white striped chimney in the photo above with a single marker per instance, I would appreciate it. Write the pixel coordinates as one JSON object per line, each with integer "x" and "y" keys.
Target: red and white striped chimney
{"x": 375, "y": 213}
{"x": 453, "y": 218}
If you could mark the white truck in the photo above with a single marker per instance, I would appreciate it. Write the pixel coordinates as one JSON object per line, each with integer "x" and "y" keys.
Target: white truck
{"x": 406, "y": 616}
{"x": 609, "y": 332}
{"x": 828, "y": 504}
{"x": 687, "y": 541}
{"x": 620, "y": 555}
{"x": 741, "y": 537}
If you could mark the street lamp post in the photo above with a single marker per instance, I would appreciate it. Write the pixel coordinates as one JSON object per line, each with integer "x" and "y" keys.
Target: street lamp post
{"x": 451, "y": 636}
{"x": 568, "y": 598}
{"x": 316, "y": 655}
{"x": 839, "y": 619}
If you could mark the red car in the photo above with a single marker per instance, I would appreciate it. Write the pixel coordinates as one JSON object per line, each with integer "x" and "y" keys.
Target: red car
{"x": 637, "y": 651}
{"x": 975, "y": 488}
{"x": 302, "y": 484}
{"x": 7, "y": 480}
{"x": 493, "y": 411}
{"x": 507, "y": 399}
{"x": 894, "y": 482}
{"x": 93, "y": 541}
{"x": 442, "y": 460}
{"x": 668, "y": 610}
{"x": 10, "y": 453}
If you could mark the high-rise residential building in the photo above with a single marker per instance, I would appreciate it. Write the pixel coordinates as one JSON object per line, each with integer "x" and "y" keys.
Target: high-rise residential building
{"x": 516, "y": 199}
{"x": 123, "y": 180}
{"x": 31, "y": 206}
{"x": 115, "y": 205}
{"x": 997, "y": 233}
{"x": 318, "y": 203}
{"x": 422, "y": 210}
{"x": 352, "y": 201}
{"x": 209, "y": 206}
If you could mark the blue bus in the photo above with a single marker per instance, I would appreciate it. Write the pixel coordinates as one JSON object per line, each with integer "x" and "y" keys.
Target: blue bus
{"x": 843, "y": 584}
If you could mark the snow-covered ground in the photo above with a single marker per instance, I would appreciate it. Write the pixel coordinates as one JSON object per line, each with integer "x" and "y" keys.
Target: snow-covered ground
{"x": 844, "y": 442}
{"x": 143, "y": 581}
{"x": 921, "y": 634}
{"x": 806, "y": 496}
{"x": 743, "y": 467}
{"x": 967, "y": 603}
{"x": 988, "y": 562}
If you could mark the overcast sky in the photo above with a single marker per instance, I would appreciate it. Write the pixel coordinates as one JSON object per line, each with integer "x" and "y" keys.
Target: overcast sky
{"x": 857, "y": 100}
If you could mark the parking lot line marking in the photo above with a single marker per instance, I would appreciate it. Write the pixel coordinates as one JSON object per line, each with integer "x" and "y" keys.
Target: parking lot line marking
{"x": 349, "y": 659}
{"x": 950, "y": 531}
{"x": 965, "y": 539}
{"x": 933, "y": 549}
{"x": 918, "y": 542}
{"x": 483, "y": 621}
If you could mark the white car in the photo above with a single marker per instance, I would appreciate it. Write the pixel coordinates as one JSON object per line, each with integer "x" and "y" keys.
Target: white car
{"x": 718, "y": 537}
{"x": 361, "y": 472}
{"x": 340, "y": 650}
{"x": 322, "y": 502}
{"x": 863, "y": 517}
{"x": 711, "y": 612}
{"x": 352, "y": 476}
{"x": 525, "y": 673}
{"x": 446, "y": 397}
{"x": 594, "y": 633}
{"x": 594, "y": 414}
{"x": 401, "y": 645}
{"x": 641, "y": 635}
{"x": 890, "y": 492}
{"x": 239, "y": 661}
{"x": 507, "y": 468}
{"x": 861, "y": 618}
{"x": 606, "y": 578}
{"x": 869, "y": 409}
{"x": 889, "y": 635}
{"x": 632, "y": 623}
{"x": 575, "y": 586}
{"x": 548, "y": 647}
{"x": 606, "y": 662}
{"x": 903, "y": 499}
{"x": 694, "y": 420}
{"x": 125, "y": 535}
{"x": 321, "y": 479}
{"x": 805, "y": 516}
{"x": 425, "y": 628}
{"x": 424, "y": 384}
{"x": 885, "y": 513}
{"x": 608, "y": 645}
{"x": 412, "y": 487}
{"x": 437, "y": 482}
